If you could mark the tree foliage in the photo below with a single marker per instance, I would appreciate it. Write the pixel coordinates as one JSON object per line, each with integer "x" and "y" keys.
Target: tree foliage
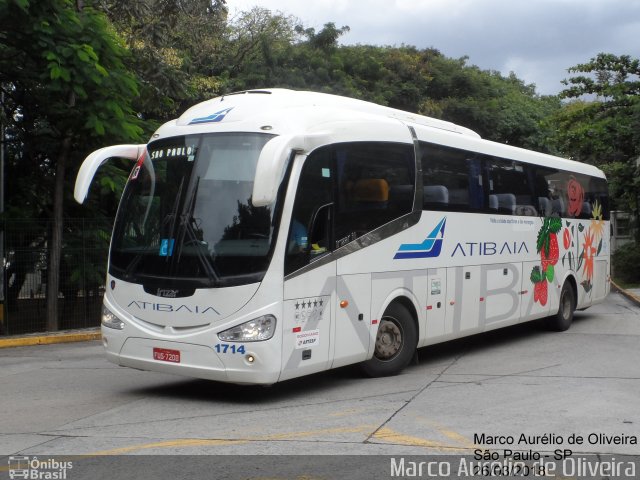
{"x": 503, "y": 109}
{"x": 65, "y": 88}
{"x": 62, "y": 75}
{"x": 175, "y": 49}
{"x": 601, "y": 123}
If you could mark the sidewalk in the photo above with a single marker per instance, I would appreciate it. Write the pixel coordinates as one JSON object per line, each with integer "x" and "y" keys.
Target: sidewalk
{"x": 632, "y": 294}
{"x": 48, "y": 338}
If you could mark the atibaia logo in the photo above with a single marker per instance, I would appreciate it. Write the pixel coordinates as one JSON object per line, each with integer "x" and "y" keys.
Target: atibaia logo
{"x": 214, "y": 117}
{"x": 429, "y": 248}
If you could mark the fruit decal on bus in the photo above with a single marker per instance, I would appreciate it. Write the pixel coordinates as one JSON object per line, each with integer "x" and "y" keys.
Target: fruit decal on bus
{"x": 591, "y": 247}
{"x": 547, "y": 247}
{"x": 575, "y": 194}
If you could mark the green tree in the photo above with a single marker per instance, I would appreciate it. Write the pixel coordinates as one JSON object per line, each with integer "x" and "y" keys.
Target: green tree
{"x": 601, "y": 125}
{"x": 326, "y": 39}
{"x": 176, "y": 48}
{"x": 503, "y": 109}
{"x": 258, "y": 47}
{"x": 66, "y": 88}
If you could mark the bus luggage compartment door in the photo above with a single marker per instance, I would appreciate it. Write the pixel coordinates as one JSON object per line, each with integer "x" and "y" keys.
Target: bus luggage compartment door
{"x": 353, "y": 319}
{"x": 463, "y": 300}
{"x": 436, "y": 301}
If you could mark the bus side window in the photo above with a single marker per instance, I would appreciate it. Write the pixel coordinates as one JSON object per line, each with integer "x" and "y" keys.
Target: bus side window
{"x": 549, "y": 186}
{"x": 594, "y": 201}
{"x": 452, "y": 179}
{"x": 510, "y": 189}
{"x": 376, "y": 184}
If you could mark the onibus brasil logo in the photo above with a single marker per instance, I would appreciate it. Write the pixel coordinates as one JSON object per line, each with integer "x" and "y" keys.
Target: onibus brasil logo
{"x": 430, "y": 247}
{"x": 32, "y": 468}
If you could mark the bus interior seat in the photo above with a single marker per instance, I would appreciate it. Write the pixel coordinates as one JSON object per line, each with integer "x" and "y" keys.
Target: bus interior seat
{"x": 526, "y": 210}
{"x": 436, "y": 195}
{"x": 586, "y": 209}
{"x": 506, "y": 203}
{"x": 544, "y": 205}
{"x": 459, "y": 196}
{"x": 401, "y": 196}
{"x": 493, "y": 202}
{"x": 557, "y": 206}
{"x": 371, "y": 191}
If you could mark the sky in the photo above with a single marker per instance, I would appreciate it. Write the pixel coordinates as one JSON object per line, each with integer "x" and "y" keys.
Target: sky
{"x": 538, "y": 40}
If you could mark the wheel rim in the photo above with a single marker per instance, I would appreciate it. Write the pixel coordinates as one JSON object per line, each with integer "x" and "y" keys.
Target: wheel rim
{"x": 389, "y": 339}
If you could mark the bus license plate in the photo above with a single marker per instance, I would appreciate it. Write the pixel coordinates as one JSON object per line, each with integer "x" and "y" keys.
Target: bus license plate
{"x": 166, "y": 355}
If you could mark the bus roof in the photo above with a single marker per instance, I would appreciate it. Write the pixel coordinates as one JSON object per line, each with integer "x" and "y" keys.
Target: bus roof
{"x": 254, "y": 103}
{"x": 290, "y": 112}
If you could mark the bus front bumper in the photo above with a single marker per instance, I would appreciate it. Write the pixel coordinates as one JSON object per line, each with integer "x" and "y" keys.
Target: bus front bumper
{"x": 189, "y": 359}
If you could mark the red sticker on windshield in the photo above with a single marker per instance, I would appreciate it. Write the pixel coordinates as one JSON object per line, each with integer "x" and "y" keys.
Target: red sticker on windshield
{"x": 136, "y": 170}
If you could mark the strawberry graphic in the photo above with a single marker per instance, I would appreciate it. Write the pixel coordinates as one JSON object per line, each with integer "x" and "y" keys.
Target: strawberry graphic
{"x": 550, "y": 252}
{"x": 540, "y": 289}
{"x": 547, "y": 244}
{"x": 540, "y": 292}
{"x": 547, "y": 247}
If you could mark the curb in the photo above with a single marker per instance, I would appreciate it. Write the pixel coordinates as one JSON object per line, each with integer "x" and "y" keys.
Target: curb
{"x": 626, "y": 293}
{"x": 51, "y": 338}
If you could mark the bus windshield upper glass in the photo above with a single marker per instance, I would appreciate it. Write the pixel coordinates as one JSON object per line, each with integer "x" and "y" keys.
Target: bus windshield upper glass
{"x": 186, "y": 214}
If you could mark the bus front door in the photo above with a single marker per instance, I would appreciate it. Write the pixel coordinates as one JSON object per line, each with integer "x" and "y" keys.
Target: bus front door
{"x": 309, "y": 300}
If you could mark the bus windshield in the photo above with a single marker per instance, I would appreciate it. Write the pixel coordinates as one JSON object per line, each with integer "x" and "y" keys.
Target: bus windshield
{"x": 186, "y": 219}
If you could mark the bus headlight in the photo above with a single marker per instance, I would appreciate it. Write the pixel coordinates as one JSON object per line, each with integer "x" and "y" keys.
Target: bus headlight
{"x": 110, "y": 320}
{"x": 258, "y": 329}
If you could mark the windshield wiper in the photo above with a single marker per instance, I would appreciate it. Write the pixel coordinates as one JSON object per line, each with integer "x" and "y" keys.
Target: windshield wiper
{"x": 129, "y": 270}
{"x": 186, "y": 223}
{"x": 173, "y": 214}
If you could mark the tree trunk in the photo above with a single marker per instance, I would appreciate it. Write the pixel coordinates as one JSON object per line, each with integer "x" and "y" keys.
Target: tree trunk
{"x": 55, "y": 246}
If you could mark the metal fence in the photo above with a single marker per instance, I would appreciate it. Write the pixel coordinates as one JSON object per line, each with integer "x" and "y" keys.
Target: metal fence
{"x": 24, "y": 276}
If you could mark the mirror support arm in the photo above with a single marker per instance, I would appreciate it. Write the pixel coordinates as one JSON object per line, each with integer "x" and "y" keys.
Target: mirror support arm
{"x": 98, "y": 158}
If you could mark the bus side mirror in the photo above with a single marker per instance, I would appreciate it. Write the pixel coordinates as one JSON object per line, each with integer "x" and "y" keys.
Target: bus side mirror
{"x": 95, "y": 160}
{"x": 270, "y": 168}
{"x": 273, "y": 160}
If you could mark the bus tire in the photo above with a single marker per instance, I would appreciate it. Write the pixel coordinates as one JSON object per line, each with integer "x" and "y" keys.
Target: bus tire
{"x": 396, "y": 343}
{"x": 561, "y": 321}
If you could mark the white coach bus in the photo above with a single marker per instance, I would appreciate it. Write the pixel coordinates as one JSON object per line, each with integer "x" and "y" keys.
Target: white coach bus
{"x": 270, "y": 234}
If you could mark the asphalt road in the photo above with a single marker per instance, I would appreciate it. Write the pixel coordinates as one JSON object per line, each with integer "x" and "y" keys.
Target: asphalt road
{"x": 67, "y": 400}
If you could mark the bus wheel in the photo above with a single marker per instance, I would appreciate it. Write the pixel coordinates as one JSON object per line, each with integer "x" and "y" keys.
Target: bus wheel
{"x": 561, "y": 321}
{"x": 395, "y": 343}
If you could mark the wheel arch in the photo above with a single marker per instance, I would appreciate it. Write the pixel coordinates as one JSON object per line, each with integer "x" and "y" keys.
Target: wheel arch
{"x": 406, "y": 299}
{"x": 395, "y": 351}
{"x": 562, "y": 319}
{"x": 571, "y": 280}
